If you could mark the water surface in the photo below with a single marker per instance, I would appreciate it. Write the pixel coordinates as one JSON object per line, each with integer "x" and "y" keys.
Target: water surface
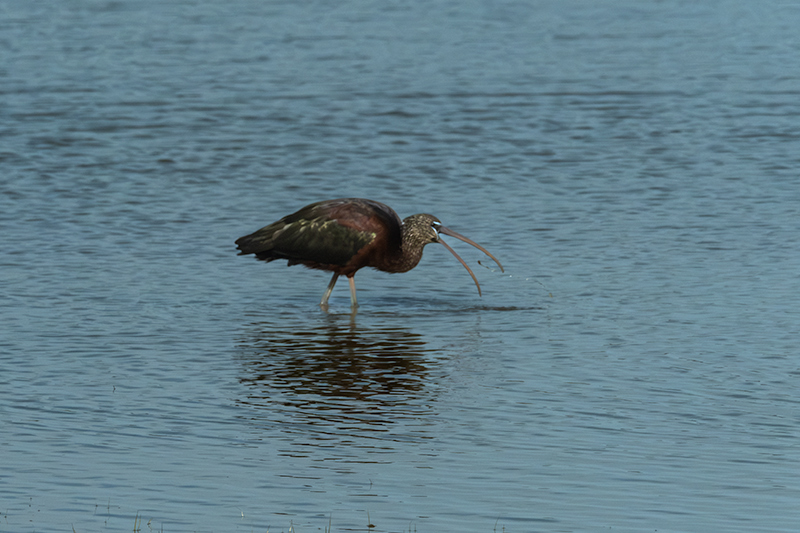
{"x": 633, "y": 165}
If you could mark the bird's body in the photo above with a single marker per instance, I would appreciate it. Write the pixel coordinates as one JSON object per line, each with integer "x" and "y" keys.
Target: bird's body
{"x": 345, "y": 235}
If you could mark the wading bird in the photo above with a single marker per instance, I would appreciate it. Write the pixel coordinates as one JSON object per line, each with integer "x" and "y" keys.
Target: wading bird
{"x": 343, "y": 236}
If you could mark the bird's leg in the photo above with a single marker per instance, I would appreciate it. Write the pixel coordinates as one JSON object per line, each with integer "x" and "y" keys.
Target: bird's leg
{"x": 353, "y": 302}
{"x": 329, "y": 290}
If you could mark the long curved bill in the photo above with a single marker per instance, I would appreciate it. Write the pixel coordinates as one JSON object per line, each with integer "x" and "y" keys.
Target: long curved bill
{"x": 451, "y": 233}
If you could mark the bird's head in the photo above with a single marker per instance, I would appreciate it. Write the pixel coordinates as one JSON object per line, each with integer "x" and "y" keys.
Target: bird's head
{"x": 421, "y": 229}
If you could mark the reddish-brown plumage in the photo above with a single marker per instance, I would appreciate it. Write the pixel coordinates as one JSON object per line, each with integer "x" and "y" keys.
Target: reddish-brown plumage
{"x": 345, "y": 235}
{"x": 364, "y": 216}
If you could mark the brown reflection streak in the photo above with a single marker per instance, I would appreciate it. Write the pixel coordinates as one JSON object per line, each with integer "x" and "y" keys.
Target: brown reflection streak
{"x": 336, "y": 375}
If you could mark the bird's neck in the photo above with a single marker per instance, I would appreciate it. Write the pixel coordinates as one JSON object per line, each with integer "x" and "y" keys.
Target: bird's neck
{"x": 410, "y": 251}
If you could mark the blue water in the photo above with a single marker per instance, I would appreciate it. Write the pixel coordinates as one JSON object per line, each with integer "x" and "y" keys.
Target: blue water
{"x": 633, "y": 165}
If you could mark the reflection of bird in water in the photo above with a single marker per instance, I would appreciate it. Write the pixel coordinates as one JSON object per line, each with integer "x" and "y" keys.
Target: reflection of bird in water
{"x": 338, "y": 374}
{"x": 343, "y": 236}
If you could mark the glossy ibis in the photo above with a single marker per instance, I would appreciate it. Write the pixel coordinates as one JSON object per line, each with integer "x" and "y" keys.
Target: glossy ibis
{"x": 344, "y": 235}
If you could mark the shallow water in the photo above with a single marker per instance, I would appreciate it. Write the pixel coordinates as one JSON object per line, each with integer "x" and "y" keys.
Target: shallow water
{"x": 634, "y": 167}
